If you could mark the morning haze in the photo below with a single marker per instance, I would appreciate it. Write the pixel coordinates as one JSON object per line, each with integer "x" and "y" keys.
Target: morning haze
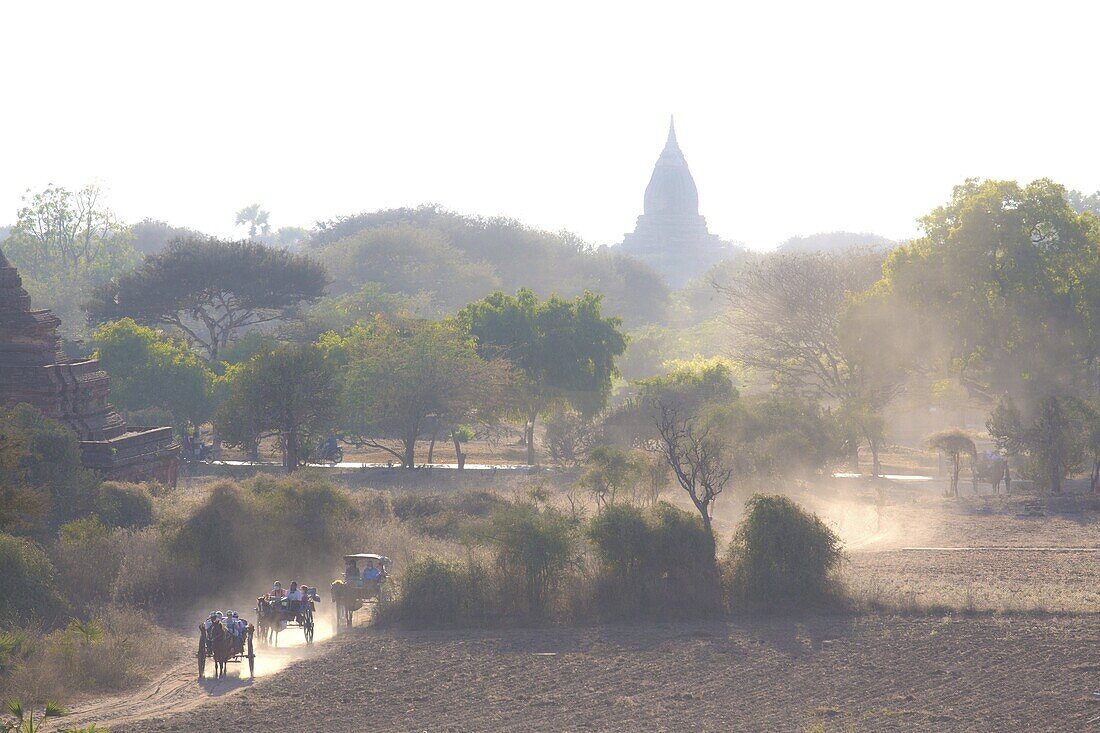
{"x": 482, "y": 367}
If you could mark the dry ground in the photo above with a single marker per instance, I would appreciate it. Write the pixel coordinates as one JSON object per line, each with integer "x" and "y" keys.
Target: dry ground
{"x": 964, "y": 669}
{"x": 861, "y": 674}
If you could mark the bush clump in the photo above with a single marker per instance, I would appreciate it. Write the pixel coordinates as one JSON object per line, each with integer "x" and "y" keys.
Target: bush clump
{"x": 657, "y": 562}
{"x": 30, "y": 583}
{"x": 782, "y": 557}
{"x": 535, "y": 551}
{"x": 124, "y": 505}
{"x": 438, "y": 593}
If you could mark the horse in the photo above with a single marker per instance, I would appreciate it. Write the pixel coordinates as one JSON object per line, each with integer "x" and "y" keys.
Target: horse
{"x": 221, "y": 647}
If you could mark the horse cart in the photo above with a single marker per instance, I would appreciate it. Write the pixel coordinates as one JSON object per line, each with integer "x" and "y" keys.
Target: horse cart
{"x": 353, "y": 591}
{"x": 225, "y": 648}
{"x": 275, "y": 615}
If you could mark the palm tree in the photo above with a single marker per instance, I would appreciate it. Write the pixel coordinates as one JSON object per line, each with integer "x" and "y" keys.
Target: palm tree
{"x": 23, "y": 720}
{"x": 953, "y": 442}
{"x": 256, "y": 219}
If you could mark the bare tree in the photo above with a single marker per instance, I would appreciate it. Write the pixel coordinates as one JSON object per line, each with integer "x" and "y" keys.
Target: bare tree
{"x": 693, "y": 453}
{"x": 799, "y": 319}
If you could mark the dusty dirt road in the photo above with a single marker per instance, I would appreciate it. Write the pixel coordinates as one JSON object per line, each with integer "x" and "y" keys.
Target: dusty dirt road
{"x": 830, "y": 674}
{"x": 177, "y": 691}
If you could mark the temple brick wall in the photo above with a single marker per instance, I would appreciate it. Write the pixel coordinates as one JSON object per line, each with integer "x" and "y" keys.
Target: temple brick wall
{"x": 34, "y": 371}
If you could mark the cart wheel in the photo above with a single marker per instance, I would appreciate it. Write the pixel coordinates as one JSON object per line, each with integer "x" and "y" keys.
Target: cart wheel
{"x": 201, "y": 654}
{"x": 308, "y": 628}
{"x": 251, "y": 659}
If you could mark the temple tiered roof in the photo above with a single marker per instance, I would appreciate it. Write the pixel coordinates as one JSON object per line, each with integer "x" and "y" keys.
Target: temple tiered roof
{"x": 670, "y": 235}
{"x": 34, "y": 370}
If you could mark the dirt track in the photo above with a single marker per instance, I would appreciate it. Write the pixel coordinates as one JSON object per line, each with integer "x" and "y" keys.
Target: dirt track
{"x": 846, "y": 674}
{"x": 864, "y": 673}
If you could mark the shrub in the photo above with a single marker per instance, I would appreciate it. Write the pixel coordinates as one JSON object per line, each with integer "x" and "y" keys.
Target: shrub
{"x": 49, "y": 461}
{"x": 15, "y": 647}
{"x": 656, "y": 562}
{"x": 30, "y": 583}
{"x": 438, "y": 593}
{"x": 782, "y": 557}
{"x": 534, "y": 550}
{"x": 292, "y": 524}
{"x": 124, "y": 505}
{"x": 417, "y": 506}
{"x": 88, "y": 561}
{"x": 216, "y": 541}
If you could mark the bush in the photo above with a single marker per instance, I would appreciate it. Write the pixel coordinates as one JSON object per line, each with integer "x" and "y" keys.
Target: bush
{"x": 48, "y": 461}
{"x": 657, "y": 562}
{"x": 217, "y": 541}
{"x": 124, "y": 505}
{"x": 534, "y": 550}
{"x": 417, "y": 506}
{"x": 288, "y": 525}
{"x": 782, "y": 557}
{"x": 437, "y": 593}
{"x": 88, "y": 561}
{"x": 30, "y": 583}
{"x": 15, "y": 647}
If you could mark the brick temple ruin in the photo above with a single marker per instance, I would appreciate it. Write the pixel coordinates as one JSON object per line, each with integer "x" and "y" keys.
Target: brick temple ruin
{"x": 33, "y": 370}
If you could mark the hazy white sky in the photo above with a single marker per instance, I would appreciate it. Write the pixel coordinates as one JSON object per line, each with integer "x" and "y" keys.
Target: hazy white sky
{"x": 794, "y": 117}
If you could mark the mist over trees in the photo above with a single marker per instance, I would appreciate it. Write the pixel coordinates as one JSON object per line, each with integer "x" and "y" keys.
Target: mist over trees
{"x": 453, "y": 259}
{"x": 835, "y": 243}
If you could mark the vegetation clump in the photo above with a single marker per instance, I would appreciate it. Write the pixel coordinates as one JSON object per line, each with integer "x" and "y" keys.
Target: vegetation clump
{"x": 782, "y": 557}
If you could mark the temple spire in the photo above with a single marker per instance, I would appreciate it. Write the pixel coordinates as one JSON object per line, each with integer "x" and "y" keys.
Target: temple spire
{"x": 672, "y": 131}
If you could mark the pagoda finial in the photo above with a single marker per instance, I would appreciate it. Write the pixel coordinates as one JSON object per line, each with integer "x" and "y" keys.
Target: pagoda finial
{"x": 671, "y": 129}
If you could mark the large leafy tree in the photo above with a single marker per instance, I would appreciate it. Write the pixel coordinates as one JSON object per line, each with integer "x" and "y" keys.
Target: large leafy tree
{"x": 290, "y": 392}
{"x": 1008, "y": 276}
{"x": 566, "y": 350}
{"x": 403, "y": 381}
{"x": 211, "y": 290}
{"x": 149, "y": 370}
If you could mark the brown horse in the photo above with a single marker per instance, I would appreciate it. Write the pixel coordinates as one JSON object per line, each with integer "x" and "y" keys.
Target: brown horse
{"x": 221, "y": 648}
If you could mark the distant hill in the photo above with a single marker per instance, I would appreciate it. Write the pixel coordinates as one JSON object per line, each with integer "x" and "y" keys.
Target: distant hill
{"x": 835, "y": 242}
{"x": 452, "y": 259}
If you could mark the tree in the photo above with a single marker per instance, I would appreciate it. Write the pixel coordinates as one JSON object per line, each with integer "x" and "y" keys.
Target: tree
{"x": 799, "y": 319}
{"x": 256, "y": 219}
{"x": 610, "y": 472}
{"x": 290, "y": 392}
{"x": 152, "y": 236}
{"x": 149, "y": 370}
{"x": 1004, "y": 272}
{"x": 694, "y": 451}
{"x": 400, "y": 382}
{"x": 1055, "y": 437}
{"x": 1007, "y": 275}
{"x": 211, "y": 290}
{"x": 514, "y": 256}
{"x": 68, "y": 234}
{"x": 411, "y": 261}
{"x": 566, "y": 350}
{"x": 953, "y": 443}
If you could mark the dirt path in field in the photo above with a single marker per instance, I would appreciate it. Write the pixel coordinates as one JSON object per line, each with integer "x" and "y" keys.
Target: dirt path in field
{"x": 821, "y": 673}
{"x": 179, "y": 691}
